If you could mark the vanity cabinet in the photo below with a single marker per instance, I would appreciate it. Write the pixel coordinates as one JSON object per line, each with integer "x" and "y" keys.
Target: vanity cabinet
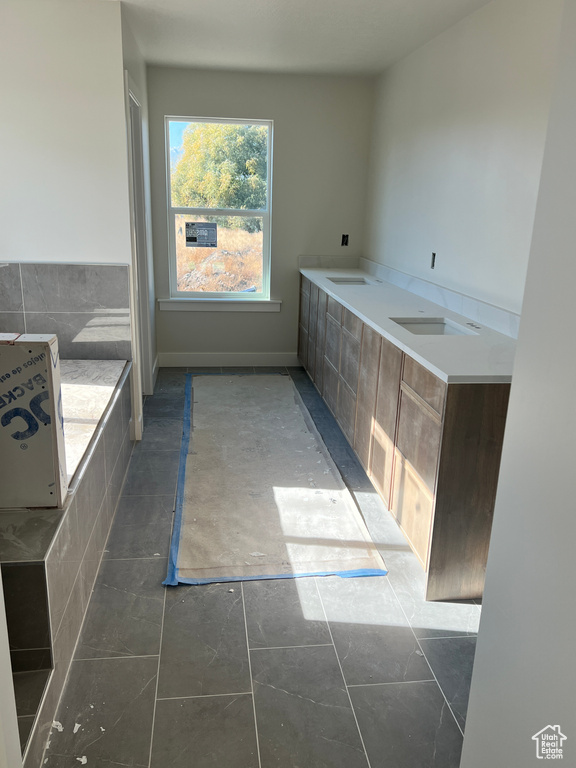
{"x": 385, "y": 418}
{"x": 431, "y": 449}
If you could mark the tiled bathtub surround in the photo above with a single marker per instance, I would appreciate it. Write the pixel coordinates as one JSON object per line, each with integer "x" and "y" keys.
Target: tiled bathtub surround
{"x": 87, "y": 387}
{"x": 498, "y": 319}
{"x": 65, "y": 548}
{"x": 86, "y": 306}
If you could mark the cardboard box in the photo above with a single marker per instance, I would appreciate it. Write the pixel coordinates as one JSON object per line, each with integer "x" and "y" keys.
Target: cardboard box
{"x": 32, "y": 454}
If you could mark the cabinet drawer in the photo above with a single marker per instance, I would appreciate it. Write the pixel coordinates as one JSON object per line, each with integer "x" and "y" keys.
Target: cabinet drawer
{"x": 412, "y": 505}
{"x": 418, "y": 438}
{"x": 352, "y": 323}
{"x": 334, "y": 308}
{"x": 430, "y": 388}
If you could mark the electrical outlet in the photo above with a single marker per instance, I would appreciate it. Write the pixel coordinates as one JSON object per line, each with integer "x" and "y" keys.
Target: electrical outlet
{"x": 433, "y": 261}
{"x": 344, "y": 240}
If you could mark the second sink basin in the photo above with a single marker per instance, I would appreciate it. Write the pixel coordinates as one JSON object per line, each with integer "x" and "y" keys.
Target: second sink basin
{"x": 349, "y": 280}
{"x": 433, "y": 326}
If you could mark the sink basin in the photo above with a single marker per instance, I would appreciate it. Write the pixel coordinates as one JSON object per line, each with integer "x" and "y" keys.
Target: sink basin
{"x": 349, "y": 280}
{"x": 433, "y": 326}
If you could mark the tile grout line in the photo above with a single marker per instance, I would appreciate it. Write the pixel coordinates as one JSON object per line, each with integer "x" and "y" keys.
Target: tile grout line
{"x": 131, "y": 559}
{"x": 392, "y": 682}
{"x": 250, "y": 673}
{"x": 449, "y": 637}
{"x": 285, "y": 647}
{"x": 157, "y": 679}
{"x": 427, "y": 662}
{"x": 22, "y": 295}
{"x": 117, "y": 658}
{"x": 342, "y": 673}
{"x": 204, "y": 696}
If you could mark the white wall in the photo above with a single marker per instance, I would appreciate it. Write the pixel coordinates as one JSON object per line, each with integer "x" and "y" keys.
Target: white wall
{"x": 321, "y": 146}
{"x": 136, "y": 67}
{"x": 64, "y": 184}
{"x": 525, "y": 671}
{"x": 457, "y": 151}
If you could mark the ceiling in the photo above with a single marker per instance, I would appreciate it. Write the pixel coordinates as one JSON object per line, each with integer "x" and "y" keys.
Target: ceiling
{"x": 312, "y": 36}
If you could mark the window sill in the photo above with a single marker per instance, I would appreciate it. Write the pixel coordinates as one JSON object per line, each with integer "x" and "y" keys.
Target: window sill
{"x": 219, "y": 305}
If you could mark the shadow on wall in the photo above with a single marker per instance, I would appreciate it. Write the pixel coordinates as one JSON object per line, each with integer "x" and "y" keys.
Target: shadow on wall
{"x": 86, "y": 306}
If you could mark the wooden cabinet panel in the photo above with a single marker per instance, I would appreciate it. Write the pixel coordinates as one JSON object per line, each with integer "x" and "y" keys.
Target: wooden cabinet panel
{"x": 311, "y": 357}
{"x": 312, "y": 328}
{"x": 384, "y": 431}
{"x": 346, "y": 410}
{"x": 302, "y": 346}
{"x": 382, "y": 463}
{"x": 320, "y": 341}
{"x": 305, "y": 305}
{"x": 366, "y": 394}
{"x": 413, "y": 507}
{"x": 334, "y": 309}
{"x": 349, "y": 359}
{"x": 430, "y": 388}
{"x": 472, "y": 440}
{"x": 313, "y": 322}
{"x": 333, "y": 334}
{"x": 352, "y": 323}
{"x": 432, "y": 450}
{"x": 331, "y": 380}
{"x": 418, "y": 437}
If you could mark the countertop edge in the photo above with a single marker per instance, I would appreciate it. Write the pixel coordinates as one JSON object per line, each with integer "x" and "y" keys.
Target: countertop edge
{"x": 320, "y": 277}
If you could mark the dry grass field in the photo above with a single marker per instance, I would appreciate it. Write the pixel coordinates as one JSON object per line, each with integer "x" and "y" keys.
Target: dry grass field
{"x": 235, "y": 265}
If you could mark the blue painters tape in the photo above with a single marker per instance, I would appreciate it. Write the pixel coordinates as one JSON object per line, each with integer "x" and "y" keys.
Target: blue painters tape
{"x": 228, "y": 579}
{"x": 171, "y": 578}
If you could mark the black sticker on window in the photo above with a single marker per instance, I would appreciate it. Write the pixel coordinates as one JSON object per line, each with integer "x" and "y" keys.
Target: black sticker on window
{"x": 200, "y": 234}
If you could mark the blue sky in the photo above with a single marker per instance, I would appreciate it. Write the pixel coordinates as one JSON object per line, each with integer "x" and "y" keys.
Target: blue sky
{"x": 175, "y": 130}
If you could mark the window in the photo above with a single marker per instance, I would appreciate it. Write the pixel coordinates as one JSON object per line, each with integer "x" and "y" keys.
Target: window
{"x": 219, "y": 184}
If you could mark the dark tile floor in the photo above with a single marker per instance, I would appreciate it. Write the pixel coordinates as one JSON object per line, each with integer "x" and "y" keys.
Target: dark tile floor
{"x": 314, "y": 673}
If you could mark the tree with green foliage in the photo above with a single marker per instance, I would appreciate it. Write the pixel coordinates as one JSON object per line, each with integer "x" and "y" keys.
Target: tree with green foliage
{"x": 223, "y": 166}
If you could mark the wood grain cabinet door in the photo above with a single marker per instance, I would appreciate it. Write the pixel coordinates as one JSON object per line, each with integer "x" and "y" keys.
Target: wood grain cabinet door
{"x": 413, "y": 506}
{"x": 366, "y": 394}
{"x": 333, "y": 337}
{"x": 320, "y": 341}
{"x": 384, "y": 431}
{"x": 415, "y": 469}
{"x": 312, "y": 331}
{"x": 304, "y": 303}
{"x": 303, "y": 320}
{"x": 421, "y": 381}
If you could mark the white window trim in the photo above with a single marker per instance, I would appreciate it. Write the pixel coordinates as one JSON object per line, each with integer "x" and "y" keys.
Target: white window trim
{"x": 219, "y": 305}
{"x": 218, "y": 301}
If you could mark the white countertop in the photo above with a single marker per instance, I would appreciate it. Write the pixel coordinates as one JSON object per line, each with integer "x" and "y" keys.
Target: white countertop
{"x": 487, "y": 356}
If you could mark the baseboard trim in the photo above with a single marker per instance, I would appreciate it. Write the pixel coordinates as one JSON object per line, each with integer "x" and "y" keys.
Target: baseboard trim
{"x": 218, "y": 359}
